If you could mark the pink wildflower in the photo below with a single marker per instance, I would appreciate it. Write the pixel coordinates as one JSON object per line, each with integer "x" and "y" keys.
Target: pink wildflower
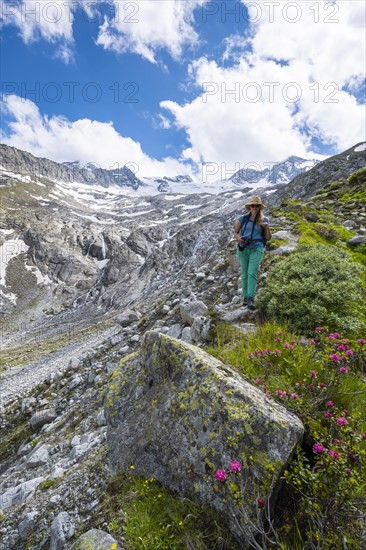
{"x": 294, "y": 396}
{"x": 334, "y": 454}
{"x": 268, "y": 395}
{"x": 361, "y": 341}
{"x": 311, "y": 387}
{"x": 261, "y": 502}
{"x": 342, "y": 421}
{"x": 343, "y": 370}
{"x": 221, "y": 475}
{"x": 341, "y": 347}
{"x": 349, "y": 352}
{"x": 235, "y": 466}
{"x": 328, "y": 415}
{"x": 313, "y": 374}
{"x": 250, "y": 356}
{"x": 293, "y": 342}
{"x": 335, "y": 358}
{"x": 312, "y": 342}
{"x": 345, "y": 412}
{"x": 363, "y": 436}
{"x": 348, "y": 472}
{"x": 330, "y": 403}
{"x": 279, "y": 333}
{"x": 319, "y": 329}
{"x": 318, "y": 448}
{"x": 258, "y": 380}
{"x": 264, "y": 387}
{"x": 322, "y": 385}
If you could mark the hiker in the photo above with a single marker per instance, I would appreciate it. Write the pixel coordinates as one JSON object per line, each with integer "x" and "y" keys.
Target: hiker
{"x": 252, "y": 232}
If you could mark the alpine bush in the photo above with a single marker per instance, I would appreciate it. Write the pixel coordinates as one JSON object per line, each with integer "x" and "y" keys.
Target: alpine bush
{"x": 317, "y": 284}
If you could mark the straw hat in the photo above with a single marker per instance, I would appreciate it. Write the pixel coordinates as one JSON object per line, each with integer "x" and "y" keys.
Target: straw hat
{"x": 255, "y": 200}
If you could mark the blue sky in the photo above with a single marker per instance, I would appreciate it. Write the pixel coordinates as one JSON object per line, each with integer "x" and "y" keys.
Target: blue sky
{"x": 170, "y": 85}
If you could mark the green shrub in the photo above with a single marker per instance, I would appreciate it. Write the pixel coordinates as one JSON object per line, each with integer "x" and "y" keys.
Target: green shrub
{"x": 315, "y": 285}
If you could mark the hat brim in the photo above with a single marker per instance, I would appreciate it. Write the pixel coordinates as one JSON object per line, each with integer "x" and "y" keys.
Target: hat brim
{"x": 261, "y": 206}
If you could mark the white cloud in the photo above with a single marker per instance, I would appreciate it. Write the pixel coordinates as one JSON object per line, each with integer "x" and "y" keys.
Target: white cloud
{"x": 143, "y": 27}
{"x": 50, "y": 21}
{"x": 296, "y": 70}
{"x": 86, "y": 140}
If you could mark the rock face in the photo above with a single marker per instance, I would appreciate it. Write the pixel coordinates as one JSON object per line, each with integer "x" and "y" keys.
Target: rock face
{"x": 178, "y": 414}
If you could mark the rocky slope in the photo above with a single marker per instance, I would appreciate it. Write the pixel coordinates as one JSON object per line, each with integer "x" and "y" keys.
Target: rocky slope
{"x": 86, "y": 274}
{"x": 336, "y": 168}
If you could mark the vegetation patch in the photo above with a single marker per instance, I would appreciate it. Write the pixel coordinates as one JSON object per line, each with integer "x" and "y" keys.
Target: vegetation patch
{"x": 315, "y": 285}
{"x": 149, "y": 517}
{"x": 322, "y": 502}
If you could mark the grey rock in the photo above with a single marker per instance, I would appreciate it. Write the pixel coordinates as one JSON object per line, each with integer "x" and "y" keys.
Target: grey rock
{"x": 192, "y": 404}
{"x": 20, "y": 493}
{"x": 28, "y": 404}
{"x": 349, "y": 224}
{"x": 76, "y": 381}
{"x": 27, "y": 524}
{"x": 40, "y": 418}
{"x": 175, "y": 330}
{"x": 190, "y": 310}
{"x": 128, "y": 317}
{"x": 24, "y": 449}
{"x": 356, "y": 241}
{"x": 95, "y": 539}
{"x": 311, "y": 216}
{"x": 200, "y": 276}
{"x": 101, "y": 421}
{"x": 38, "y": 457}
{"x": 186, "y": 335}
{"x": 62, "y": 529}
{"x": 200, "y": 329}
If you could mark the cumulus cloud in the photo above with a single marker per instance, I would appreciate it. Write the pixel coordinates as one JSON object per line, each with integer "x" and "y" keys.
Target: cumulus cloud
{"x": 296, "y": 77}
{"x": 59, "y": 139}
{"x": 145, "y": 27}
{"x": 50, "y": 21}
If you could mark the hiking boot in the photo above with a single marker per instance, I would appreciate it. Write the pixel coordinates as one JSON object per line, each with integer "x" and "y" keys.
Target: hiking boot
{"x": 250, "y": 303}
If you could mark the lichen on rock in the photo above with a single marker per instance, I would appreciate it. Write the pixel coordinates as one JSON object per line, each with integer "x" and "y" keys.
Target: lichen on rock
{"x": 177, "y": 414}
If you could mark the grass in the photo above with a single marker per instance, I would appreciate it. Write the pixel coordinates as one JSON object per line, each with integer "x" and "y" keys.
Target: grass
{"x": 149, "y": 517}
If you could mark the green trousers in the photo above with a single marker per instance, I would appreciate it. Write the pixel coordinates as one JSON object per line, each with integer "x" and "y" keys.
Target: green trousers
{"x": 250, "y": 260}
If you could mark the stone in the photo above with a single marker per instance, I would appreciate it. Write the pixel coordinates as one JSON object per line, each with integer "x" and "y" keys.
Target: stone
{"x": 200, "y": 276}
{"x": 95, "y": 539}
{"x": 186, "y": 335}
{"x": 356, "y": 241}
{"x": 349, "y": 224}
{"x": 128, "y": 317}
{"x": 38, "y": 457}
{"x": 75, "y": 382}
{"x": 175, "y": 330}
{"x": 311, "y": 216}
{"x": 200, "y": 329}
{"x": 20, "y": 493}
{"x": 101, "y": 421}
{"x": 26, "y": 524}
{"x": 40, "y": 418}
{"x": 190, "y": 310}
{"x": 62, "y": 529}
{"x": 193, "y": 404}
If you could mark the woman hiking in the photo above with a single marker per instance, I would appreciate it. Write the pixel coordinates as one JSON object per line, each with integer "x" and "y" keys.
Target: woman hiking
{"x": 252, "y": 232}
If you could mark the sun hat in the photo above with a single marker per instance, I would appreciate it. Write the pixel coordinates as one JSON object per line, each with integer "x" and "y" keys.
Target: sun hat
{"x": 255, "y": 199}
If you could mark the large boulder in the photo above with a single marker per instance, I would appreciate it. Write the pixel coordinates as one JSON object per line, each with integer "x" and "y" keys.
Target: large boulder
{"x": 178, "y": 414}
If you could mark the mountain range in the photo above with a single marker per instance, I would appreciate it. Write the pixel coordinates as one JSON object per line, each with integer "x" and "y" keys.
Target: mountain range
{"x": 20, "y": 162}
